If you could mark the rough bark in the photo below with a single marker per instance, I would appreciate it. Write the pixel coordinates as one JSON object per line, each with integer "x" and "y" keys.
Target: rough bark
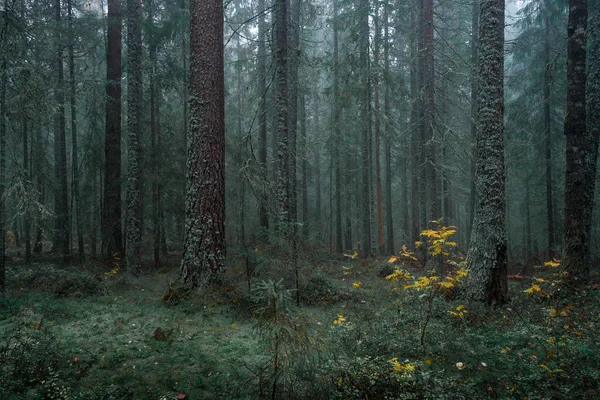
{"x": 377, "y": 112}
{"x": 74, "y": 153}
{"x": 263, "y": 215}
{"x": 61, "y": 203}
{"x": 548, "y": 139}
{"x": 487, "y": 256}
{"x": 3, "y": 84}
{"x": 204, "y": 247}
{"x": 337, "y": 134}
{"x": 388, "y": 141}
{"x": 474, "y": 88}
{"x": 581, "y": 153}
{"x": 415, "y": 141}
{"x": 112, "y": 241}
{"x": 281, "y": 82}
{"x": 430, "y": 145}
{"x": 365, "y": 193}
{"x": 134, "y": 104}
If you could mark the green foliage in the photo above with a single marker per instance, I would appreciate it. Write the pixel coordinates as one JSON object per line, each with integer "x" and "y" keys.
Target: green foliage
{"x": 319, "y": 290}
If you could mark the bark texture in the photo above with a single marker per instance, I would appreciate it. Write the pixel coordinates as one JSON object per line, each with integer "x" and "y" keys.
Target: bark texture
{"x": 581, "y": 152}
{"x": 134, "y": 100}
{"x": 487, "y": 257}
{"x": 281, "y": 95}
{"x": 204, "y": 247}
{"x": 111, "y": 210}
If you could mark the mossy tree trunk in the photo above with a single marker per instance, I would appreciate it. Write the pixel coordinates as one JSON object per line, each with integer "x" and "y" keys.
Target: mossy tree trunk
{"x": 204, "y": 246}
{"x": 487, "y": 256}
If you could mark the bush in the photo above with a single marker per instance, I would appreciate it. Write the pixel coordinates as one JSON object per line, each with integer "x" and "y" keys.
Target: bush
{"x": 319, "y": 289}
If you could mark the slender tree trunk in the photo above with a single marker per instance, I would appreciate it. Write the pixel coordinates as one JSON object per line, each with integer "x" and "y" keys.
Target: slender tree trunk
{"x": 365, "y": 193}
{"x": 204, "y": 247}
{"x": 548, "y": 140}
{"x": 337, "y": 134}
{"x": 75, "y": 158}
{"x": 377, "y": 111}
{"x": 415, "y": 136}
{"x": 487, "y": 257}
{"x": 474, "y": 89}
{"x": 3, "y": 84}
{"x": 281, "y": 81}
{"x": 433, "y": 209}
{"x": 263, "y": 215}
{"x": 112, "y": 241}
{"x": 134, "y": 105}
{"x": 388, "y": 140}
{"x": 304, "y": 165}
{"x": 62, "y": 242}
{"x": 318, "y": 186}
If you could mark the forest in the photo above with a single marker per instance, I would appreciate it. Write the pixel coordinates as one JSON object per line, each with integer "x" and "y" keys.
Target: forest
{"x": 292, "y": 199}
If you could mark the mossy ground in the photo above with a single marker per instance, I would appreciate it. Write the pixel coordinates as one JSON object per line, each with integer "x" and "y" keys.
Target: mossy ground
{"x": 96, "y": 339}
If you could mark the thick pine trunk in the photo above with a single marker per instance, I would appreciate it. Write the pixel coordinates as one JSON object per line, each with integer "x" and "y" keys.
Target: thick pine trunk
{"x": 112, "y": 240}
{"x": 415, "y": 134}
{"x": 581, "y": 153}
{"x": 204, "y": 247}
{"x": 487, "y": 257}
{"x": 134, "y": 99}
{"x": 430, "y": 145}
{"x": 377, "y": 111}
{"x": 3, "y": 83}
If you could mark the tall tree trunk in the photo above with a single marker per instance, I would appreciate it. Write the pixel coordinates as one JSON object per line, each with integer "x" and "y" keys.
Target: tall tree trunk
{"x": 337, "y": 134}
{"x": 263, "y": 215}
{"x": 75, "y": 157}
{"x": 61, "y": 201}
{"x": 474, "y": 89}
{"x": 365, "y": 193}
{"x": 3, "y": 84}
{"x": 388, "y": 139}
{"x": 430, "y": 144}
{"x": 304, "y": 165}
{"x": 281, "y": 82}
{"x": 134, "y": 99}
{"x": 112, "y": 240}
{"x": 415, "y": 134}
{"x": 318, "y": 186}
{"x": 377, "y": 111}
{"x": 204, "y": 247}
{"x": 581, "y": 152}
{"x": 487, "y": 258}
{"x": 548, "y": 140}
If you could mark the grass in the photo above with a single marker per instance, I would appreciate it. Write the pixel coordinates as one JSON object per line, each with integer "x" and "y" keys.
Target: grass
{"x": 95, "y": 339}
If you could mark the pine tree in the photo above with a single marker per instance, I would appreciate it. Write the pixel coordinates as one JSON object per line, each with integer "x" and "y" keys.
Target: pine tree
{"x": 204, "y": 247}
{"x": 487, "y": 256}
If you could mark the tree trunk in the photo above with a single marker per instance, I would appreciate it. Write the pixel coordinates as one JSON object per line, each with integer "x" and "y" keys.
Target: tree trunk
{"x": 548, "y": 140}
{"x": 388, "y": 140}
{"x": 415, "y": 137}
{"x": 134, "y": 99}
{"x": 487, "y": 258}
{"x": 61, "y": 201}
{"x": 112, "y": 241}
{"x": 281, "y": 82}
{"x": 3, "y": 84}
{"x": 365, "y": 193}
{"x": 304, "y": 165}
{"x": 337, "y": 134}
{"x": 75, "y": 158}
{"x": 263, "y": 215}
{"x": 474, "y": 89}
{"x": 429, "y": 142}
{"x": 377, "y": 111}
{"x": 204, "y": 247}
{"x": 581, "y": 152}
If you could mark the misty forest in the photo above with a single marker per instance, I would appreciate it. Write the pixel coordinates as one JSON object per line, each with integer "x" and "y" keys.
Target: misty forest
{"x": 299, "y": 199}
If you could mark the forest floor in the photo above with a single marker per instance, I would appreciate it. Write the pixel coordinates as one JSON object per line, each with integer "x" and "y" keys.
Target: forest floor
{"x": 86, "y": 332}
